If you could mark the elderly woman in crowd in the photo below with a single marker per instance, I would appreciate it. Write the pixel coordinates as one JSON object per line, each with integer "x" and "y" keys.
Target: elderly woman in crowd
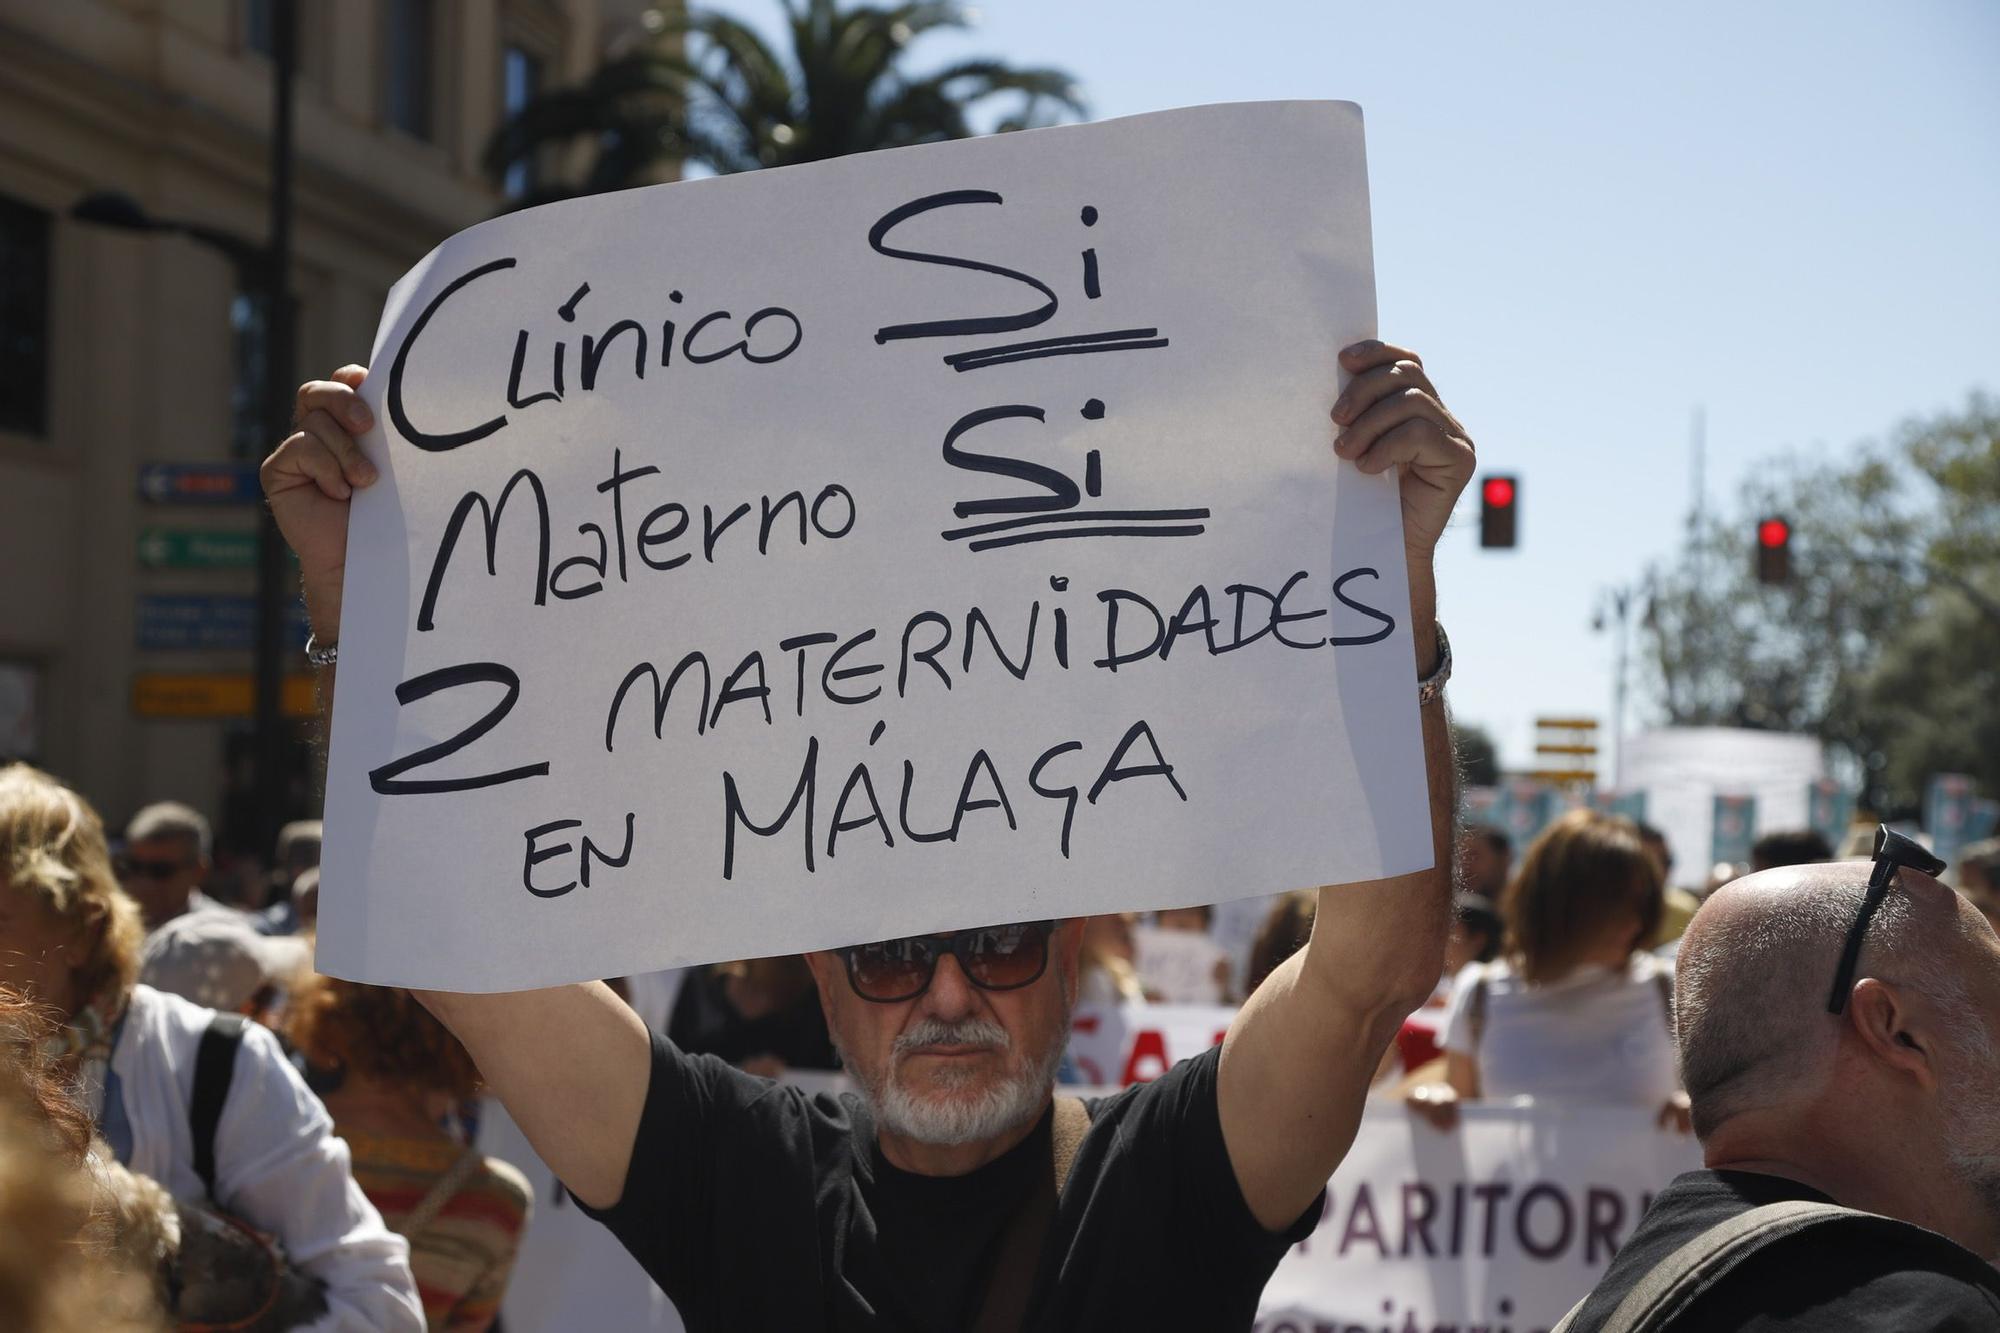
{"x": 70, "y": 939}
{"x": 395, "y": 1080}
{"x": 1574, "y": 1009}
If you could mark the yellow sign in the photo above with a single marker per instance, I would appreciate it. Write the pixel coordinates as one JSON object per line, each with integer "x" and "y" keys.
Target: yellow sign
{"x": 215, "y": 695}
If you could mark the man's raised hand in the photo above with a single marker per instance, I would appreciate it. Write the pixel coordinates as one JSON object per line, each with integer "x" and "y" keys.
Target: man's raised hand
{"x": 1390, "y": 414}
{"x": 309, "y": 480}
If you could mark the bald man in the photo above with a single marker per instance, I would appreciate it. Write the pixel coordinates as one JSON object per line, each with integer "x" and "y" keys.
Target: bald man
{"x": 1890, "y": 1105}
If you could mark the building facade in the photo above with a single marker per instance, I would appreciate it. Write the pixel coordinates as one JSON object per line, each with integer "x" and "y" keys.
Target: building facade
{"x": 122, "y": 652}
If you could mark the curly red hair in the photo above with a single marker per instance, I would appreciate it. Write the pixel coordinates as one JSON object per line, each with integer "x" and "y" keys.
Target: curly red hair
{"x": 378, "y": 1032}
{"x": 30, "y": 1076}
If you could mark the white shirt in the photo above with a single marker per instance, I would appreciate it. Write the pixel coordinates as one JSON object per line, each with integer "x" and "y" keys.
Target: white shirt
{"x": 278, "y": 1165}
{"x": 1598, "y": 1035}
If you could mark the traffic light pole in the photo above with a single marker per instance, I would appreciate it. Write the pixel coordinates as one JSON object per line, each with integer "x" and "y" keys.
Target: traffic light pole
{"x": 272, "y": 786}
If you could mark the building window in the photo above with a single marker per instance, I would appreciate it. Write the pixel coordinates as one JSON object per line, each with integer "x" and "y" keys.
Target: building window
{"x": 24, "y": 318}
{"x": 20, "y": 711}
{"x": 246, "y": 391}
{"x": 410, "y": 34}
{"x": 520, "y": 84}
{"x": 259, "y": 27}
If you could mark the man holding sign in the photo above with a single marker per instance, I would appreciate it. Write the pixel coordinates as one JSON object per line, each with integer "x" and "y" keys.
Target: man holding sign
{"x": 955, "y": 1192}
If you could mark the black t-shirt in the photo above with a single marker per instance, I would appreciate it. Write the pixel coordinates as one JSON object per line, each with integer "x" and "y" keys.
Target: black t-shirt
{"x": 756, "y": 1206}
{"x": 1835, "y": 1278}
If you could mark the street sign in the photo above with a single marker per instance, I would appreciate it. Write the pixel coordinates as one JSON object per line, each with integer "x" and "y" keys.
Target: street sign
{"x": 208, "y": 622}
{"x": 217, "y": 483}
{"x": 214, "y": 696}
{"x": 196, "y": 548}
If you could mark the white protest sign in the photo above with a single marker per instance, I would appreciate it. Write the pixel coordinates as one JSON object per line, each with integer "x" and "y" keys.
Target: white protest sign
{"x": 569, "y": 1271}
{"x": 1180, "y": 966}
{"x": 920, "y": 540}
{"x": 1115, "y": 1046}
{"x": 1502, "y": 1223}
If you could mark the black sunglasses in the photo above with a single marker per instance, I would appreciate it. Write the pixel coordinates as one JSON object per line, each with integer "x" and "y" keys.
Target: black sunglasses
{"x": 126, "y": 867}
{"x": 1892, "y": 850}
{"x": 993, "y": 958}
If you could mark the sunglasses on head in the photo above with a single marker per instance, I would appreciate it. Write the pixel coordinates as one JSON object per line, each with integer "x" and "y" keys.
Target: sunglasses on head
{"x": 127, "y": 867}
{"x": 992, "y": 958}
{"x": 1892, "y": 850}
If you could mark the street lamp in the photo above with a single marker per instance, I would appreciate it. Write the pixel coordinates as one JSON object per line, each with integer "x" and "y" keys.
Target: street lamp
{"x": 121, "y": 212}
{"x": 1615, "y": 606}
{"x": 262, "y": 268}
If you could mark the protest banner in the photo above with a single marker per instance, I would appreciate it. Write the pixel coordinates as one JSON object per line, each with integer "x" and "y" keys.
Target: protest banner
{"x": 1955, "y": 815}
{"x": 919, "y": 540}
{"x": 1829, "y": 811}
{"x": 1733, "y": 829}
{"x": 1524, "y": 808}
{"x": 1115, "y": 1046}
{"x": 1181, "y": 967}
{"x": 1624, "y": 804}
{"x": 569, "y": 1271}
{"x": 1502, "y": 1223}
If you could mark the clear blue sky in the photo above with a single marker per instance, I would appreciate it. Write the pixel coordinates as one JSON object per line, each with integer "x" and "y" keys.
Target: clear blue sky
{"x": 1594, "y": 218}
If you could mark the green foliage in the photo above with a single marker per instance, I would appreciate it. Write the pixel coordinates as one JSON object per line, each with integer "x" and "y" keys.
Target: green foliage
{"x": 703, "y": 87}
{"x": 1478, "y": 757}
{"x": 1886, "y": 643}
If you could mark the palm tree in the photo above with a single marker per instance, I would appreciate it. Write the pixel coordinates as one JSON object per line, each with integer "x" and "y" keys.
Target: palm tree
{"x": 702, "y": 87}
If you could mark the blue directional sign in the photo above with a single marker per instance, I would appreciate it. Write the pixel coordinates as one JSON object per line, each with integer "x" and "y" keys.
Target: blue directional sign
{"x": 208, "y": 622}
{"x": 217, "y": 483}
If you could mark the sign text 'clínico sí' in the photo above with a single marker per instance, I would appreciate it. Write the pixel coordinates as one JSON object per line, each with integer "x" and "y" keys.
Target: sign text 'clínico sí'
{"x": 907, "y": 542}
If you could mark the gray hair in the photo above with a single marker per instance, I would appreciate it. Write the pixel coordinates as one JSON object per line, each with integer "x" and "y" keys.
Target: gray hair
{"x": 171, "y": 819}
{"x": 1751, "y": 989}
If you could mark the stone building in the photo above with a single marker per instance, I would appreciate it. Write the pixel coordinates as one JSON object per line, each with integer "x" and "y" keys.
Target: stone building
{"x": 120, "y": 662}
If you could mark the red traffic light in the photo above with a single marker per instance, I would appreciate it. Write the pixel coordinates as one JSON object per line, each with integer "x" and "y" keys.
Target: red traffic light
{"x": 1497, "y": 511}
{"x": 1774, "y": 550}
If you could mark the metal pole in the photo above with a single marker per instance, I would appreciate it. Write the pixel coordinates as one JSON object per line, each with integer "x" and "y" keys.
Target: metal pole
{"x": 273, "y": 786}
{"x": 1624, "y": 606}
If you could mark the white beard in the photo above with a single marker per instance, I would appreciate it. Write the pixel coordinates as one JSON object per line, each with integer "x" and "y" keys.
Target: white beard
{"x": 945, "y": 1120}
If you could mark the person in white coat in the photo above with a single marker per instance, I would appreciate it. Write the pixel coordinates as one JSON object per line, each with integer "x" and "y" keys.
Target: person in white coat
{"x": 70, "y": 938}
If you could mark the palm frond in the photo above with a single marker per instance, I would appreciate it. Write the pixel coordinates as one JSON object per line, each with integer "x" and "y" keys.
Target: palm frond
{"x": 704, "y": 87}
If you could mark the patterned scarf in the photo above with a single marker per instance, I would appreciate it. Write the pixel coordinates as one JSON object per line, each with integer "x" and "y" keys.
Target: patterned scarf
{"x": 84, "y": 1044}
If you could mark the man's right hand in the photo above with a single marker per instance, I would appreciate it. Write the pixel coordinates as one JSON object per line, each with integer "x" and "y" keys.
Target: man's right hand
{"x": 309, "y": 480}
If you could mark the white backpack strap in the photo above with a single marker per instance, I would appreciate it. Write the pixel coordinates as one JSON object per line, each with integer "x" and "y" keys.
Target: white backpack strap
{"x": 1700, "y": 1263}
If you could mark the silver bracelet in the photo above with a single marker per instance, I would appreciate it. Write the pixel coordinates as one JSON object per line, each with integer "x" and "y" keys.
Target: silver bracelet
{"x": 321, "y": 654}
{"x": 1431, "y": 686}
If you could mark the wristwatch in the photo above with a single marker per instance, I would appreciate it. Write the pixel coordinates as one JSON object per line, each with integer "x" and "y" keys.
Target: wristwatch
{"x": 1431, "y": 686}
{"x": 321, "y": 654}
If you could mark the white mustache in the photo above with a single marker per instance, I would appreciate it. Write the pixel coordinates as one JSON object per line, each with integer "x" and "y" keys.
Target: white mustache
{"x": 936, "y": 1032}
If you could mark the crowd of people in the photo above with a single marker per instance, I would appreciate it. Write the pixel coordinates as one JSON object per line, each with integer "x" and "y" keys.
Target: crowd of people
{"x": 251, "y": 1145}
{"x": 333, "y": 1182}
{"x": 212, "y": 1136}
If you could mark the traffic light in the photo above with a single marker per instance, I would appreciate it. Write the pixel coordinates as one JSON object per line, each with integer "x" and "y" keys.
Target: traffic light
{"x": 1774, "y": 550}
{"x": 1499, "y": 498}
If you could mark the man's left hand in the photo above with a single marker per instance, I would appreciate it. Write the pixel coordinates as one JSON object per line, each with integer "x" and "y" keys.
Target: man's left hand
{"x": 1390, "y": 416}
